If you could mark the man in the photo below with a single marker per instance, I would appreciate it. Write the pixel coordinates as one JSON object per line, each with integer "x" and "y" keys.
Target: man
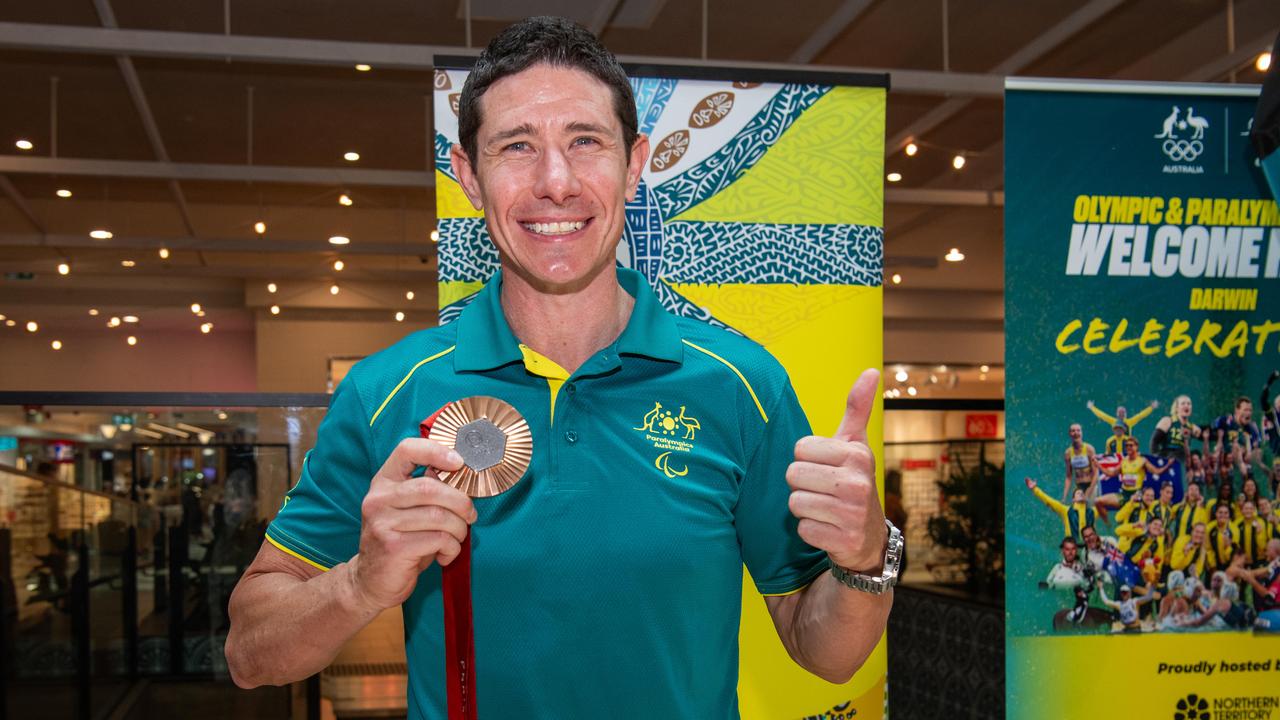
{"x": 1075, "y": 517}
{"x": 1237, "y": 439}
{"x": 1081, "y": 461}
{"x": 1068, "y": 572}
{"x": 607, "y": 582}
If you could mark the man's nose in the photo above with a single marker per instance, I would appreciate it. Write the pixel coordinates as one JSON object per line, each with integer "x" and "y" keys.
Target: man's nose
{"x": 556, "y": 178}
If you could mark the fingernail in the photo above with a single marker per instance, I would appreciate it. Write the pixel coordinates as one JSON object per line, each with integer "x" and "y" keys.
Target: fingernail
{"x": 454, "y": 457}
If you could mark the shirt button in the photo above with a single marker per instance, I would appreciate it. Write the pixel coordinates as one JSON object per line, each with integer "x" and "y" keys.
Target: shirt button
{"x": 571, "y": 436}
{"x": 570, "y": 388}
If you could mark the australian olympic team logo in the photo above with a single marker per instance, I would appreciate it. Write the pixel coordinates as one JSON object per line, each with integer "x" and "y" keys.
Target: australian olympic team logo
{"x": 672, "y": 432}
{"x": 1176, "y": 144}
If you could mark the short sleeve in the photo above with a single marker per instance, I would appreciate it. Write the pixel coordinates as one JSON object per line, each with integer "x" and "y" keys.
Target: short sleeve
{"x": 320, "y": 519}
{"x": 778, "y": 560}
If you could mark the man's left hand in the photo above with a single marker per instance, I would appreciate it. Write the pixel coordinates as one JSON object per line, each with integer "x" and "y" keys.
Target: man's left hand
{"x": 833, "y": 487}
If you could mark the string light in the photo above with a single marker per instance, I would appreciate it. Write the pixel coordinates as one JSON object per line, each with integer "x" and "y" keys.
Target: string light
{"x": 206, "y": 328}
{"x": 339, "y": 240}
{"x": 399, "y": 316}
{"x": 911, "y": 149}
{"x": 164, "y": 253}
{"x": 345, "y": 200}
{"x": 901, "y": 375}
{"x": 260, "y": 227}
{"x": 897, "y": 279}
{"x": 32, "y": 326}
{"x": 127, "y": 263}
{"x": 351, "y": 156}
{"x": 113, "y": 322}
{"x": 130, "y": 318}
{"x": 893, "y": 177}
{"x": 338, "y": 265}
{"x": 93, "y": 312}
{"x": 271, "y": 287}
{"x": 362, "y": 67}
{"x": 56, "y": 344}
{"x": 24, "y": 144}
{"x": 954, "y": 256}
{"x": 195, "y": 307}
{"x": 985, "y": 368}
{"x": 911, "y": 390}
{"x": 333, "y": 289}
{"x": 408, "y": 295}
{"x": 435, "y": 236}
{"x": 957, "y": 162}
{"x": 63, "y": 193}
{"x": 1263, "y": 63}
{"x": 132, "y": 340}
{"x": 275, "y": 309}
{"x": 64, "y": 269}
{"x": 100, "y": 234}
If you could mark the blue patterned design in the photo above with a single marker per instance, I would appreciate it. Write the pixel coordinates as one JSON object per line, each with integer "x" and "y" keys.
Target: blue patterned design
{"x": 712, "y": 252}
{"x": 465, "y": 252}
{"x": 443, "y": 162}
{"x": 652, "y": 95}
{"x": 722, "y": 168}
{"x": 643, "y": 234}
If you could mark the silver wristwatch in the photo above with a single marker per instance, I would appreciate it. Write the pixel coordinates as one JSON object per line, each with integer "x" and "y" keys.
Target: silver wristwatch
{"x": 876, "y": 585}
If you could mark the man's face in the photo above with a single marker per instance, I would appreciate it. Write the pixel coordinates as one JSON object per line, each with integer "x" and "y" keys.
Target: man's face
{"x": 552, "y": 175}
{"x": 1091, "y": 540}
{"x": 1244, "y": 413}
{"x": 1077, "y": 496}
{"x": 1075, "y": 432}
{"x": 1068, "y": 553}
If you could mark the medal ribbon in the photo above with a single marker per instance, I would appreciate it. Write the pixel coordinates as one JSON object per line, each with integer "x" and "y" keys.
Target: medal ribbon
{"x": 459, "y": 632}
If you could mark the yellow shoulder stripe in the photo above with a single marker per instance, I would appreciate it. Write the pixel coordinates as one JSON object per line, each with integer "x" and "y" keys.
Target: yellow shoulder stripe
{"x": 412, "y": 370}
{"x": 735, "y": 372}
{"x": 287, "y": 551}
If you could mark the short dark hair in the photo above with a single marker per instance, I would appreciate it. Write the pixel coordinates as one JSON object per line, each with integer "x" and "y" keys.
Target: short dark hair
{"x": 1068, "y": 540}
{"x": 553, "y": 40}
{"x": 1242, "y": 400}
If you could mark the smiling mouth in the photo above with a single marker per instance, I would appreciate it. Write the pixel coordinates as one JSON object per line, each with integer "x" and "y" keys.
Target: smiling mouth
{"x": 554, "y": 228}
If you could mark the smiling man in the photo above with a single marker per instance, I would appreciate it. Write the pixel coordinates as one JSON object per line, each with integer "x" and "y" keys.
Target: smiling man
{"x": 668, "y": 455}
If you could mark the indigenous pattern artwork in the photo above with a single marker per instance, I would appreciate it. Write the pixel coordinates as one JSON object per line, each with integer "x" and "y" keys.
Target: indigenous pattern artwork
{"x": 760, "y": 210}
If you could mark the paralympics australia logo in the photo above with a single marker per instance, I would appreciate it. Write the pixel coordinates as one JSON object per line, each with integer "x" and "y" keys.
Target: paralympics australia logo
{"x": 1181, "y": 139}
{"x": 671, "y": 432}
{"x": 1191, "y": 707}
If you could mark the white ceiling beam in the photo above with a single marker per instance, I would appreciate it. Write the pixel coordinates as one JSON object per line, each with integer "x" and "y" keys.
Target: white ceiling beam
{"x": 20, "y": 201}
{"x": 1244, "y": 55}
{"x": 828, "y": 31}
{"x": 1042, "y": 45}
{"x": 335, "y": 53}
{"x": 147, "y": 169}
{"x": 931, "y": 196}
{"x": 174, "y": 244}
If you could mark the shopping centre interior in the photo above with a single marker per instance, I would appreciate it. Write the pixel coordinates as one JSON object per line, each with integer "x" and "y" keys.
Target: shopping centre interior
{"x": 211, "y": 210}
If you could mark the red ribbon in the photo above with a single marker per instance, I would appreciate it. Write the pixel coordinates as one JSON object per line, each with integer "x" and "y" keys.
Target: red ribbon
{"x": 459, "y": 632}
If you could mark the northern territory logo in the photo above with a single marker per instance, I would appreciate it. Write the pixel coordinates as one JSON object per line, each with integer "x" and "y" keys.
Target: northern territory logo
{"x": 670, "y": 432}
{"x": 1191, "y": 707}
{"x": 1181, "y": 139}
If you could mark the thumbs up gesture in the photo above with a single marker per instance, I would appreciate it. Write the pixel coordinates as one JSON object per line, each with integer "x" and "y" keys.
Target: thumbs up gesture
{"x": 833, "y": 488}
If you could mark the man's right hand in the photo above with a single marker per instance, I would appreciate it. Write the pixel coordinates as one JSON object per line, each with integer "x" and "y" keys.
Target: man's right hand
{"x": 408, "y": 522}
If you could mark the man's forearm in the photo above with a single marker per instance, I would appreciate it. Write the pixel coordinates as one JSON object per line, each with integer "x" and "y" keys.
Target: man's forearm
{"x": 285, "y": 628}
{"x": 831, "y": 629}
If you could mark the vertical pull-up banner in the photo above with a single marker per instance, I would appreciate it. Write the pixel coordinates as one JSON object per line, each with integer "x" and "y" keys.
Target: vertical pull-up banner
{"x": 1142, "y": 251}
{"x": 761, "y": 210}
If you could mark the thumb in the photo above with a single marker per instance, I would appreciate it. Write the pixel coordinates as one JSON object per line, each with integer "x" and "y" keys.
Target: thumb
{"x": 857, "y": 411}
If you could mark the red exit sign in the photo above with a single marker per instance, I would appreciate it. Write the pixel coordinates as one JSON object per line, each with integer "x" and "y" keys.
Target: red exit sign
{"x": 980, "y": 425}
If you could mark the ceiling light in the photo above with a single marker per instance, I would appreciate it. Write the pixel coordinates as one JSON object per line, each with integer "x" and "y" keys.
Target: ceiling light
{"x": 275, "y": 309}
{"x": 206, "y": 328}
{"x": 897, "y": 279}
{"x": 169, "y": 430}
{"x": 333, "y": 289}
{"x": 113, "y": 322}
{"x": 1263, "y": 63}
{"x": 194, "y": 429}
{"x": 933, "y": 380}
{"x": 911, "y": 149}
{"x": 339, "y": 240}
{"x": 130, "y": 318}
{"x": 222, "y": 415}
{"x": 942, "y": 368}
{"x": 63, "y": 193}
{"x": 24, "y": 144}
{"x": 344, "y": 199}
{"x": 954, "y": 256}
{"x": 260, "y": 227}
{"x": 195, "y": 307}
{"x": 271, "y": 287}
{"x": 164, "y": 253}
{"x": 127, "y": 263}
{"x": 901, "y": 375}
{"x": 363, "y": 67}
{"x": 145, "y": 433}
{"x": 64, "y": 269}
{"x": 435, "y": 236}
{"x": 893, "y": 177}
{"x": 2, "y": 317}
{"x": 9, "y": 323}
{"x": 985, "y": 368}
{"x": 132, "y": 340}
{"x": 399, "y": 316}
{"x": 32, "y": 326}
{"x": 408, "y": 295}
{"x": 911, "y": 390}
{"x": 100, "y": 234}
{"x": 982, "y": 376}
{"x": 338, "y": 265}
{"x": 200, "y": 314}
{"x": 351, "y": 156}
{"x": 56, "y": 344}
{"x": 93, "y": 312}
{"x": 957, "y": 162}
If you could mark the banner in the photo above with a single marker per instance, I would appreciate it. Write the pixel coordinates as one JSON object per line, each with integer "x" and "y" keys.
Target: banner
{"x": 1142, "y": 314}
{"x": 761, "y": 210}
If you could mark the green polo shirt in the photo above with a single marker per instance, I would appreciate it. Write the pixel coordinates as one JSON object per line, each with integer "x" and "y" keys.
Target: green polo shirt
{"x": 608, "y": 581}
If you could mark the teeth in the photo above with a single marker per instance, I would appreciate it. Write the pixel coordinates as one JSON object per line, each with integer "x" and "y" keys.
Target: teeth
{"x": 555, "y": 228}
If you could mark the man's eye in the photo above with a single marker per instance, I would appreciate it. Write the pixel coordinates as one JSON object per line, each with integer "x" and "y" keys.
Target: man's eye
{"x": 518, "y": 146}
{"x": 585, "y": 141}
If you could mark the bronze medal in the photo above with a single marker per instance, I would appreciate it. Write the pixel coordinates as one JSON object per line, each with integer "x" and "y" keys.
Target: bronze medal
{"x": 493, "y": 439}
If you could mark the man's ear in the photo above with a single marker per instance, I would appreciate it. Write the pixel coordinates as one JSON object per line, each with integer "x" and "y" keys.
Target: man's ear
{"x": 466, "y": 175}
{"x": 635, "y": 165}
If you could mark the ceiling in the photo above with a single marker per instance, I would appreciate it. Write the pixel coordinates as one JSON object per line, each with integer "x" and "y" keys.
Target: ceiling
{"x": 280, "y": 104}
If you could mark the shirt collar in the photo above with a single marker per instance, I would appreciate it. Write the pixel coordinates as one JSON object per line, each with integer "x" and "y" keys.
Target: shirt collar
{"x": 485, "y": 340}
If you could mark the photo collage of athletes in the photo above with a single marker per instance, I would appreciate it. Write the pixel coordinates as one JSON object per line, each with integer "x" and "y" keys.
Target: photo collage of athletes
{"x": 1170, "y": 524}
